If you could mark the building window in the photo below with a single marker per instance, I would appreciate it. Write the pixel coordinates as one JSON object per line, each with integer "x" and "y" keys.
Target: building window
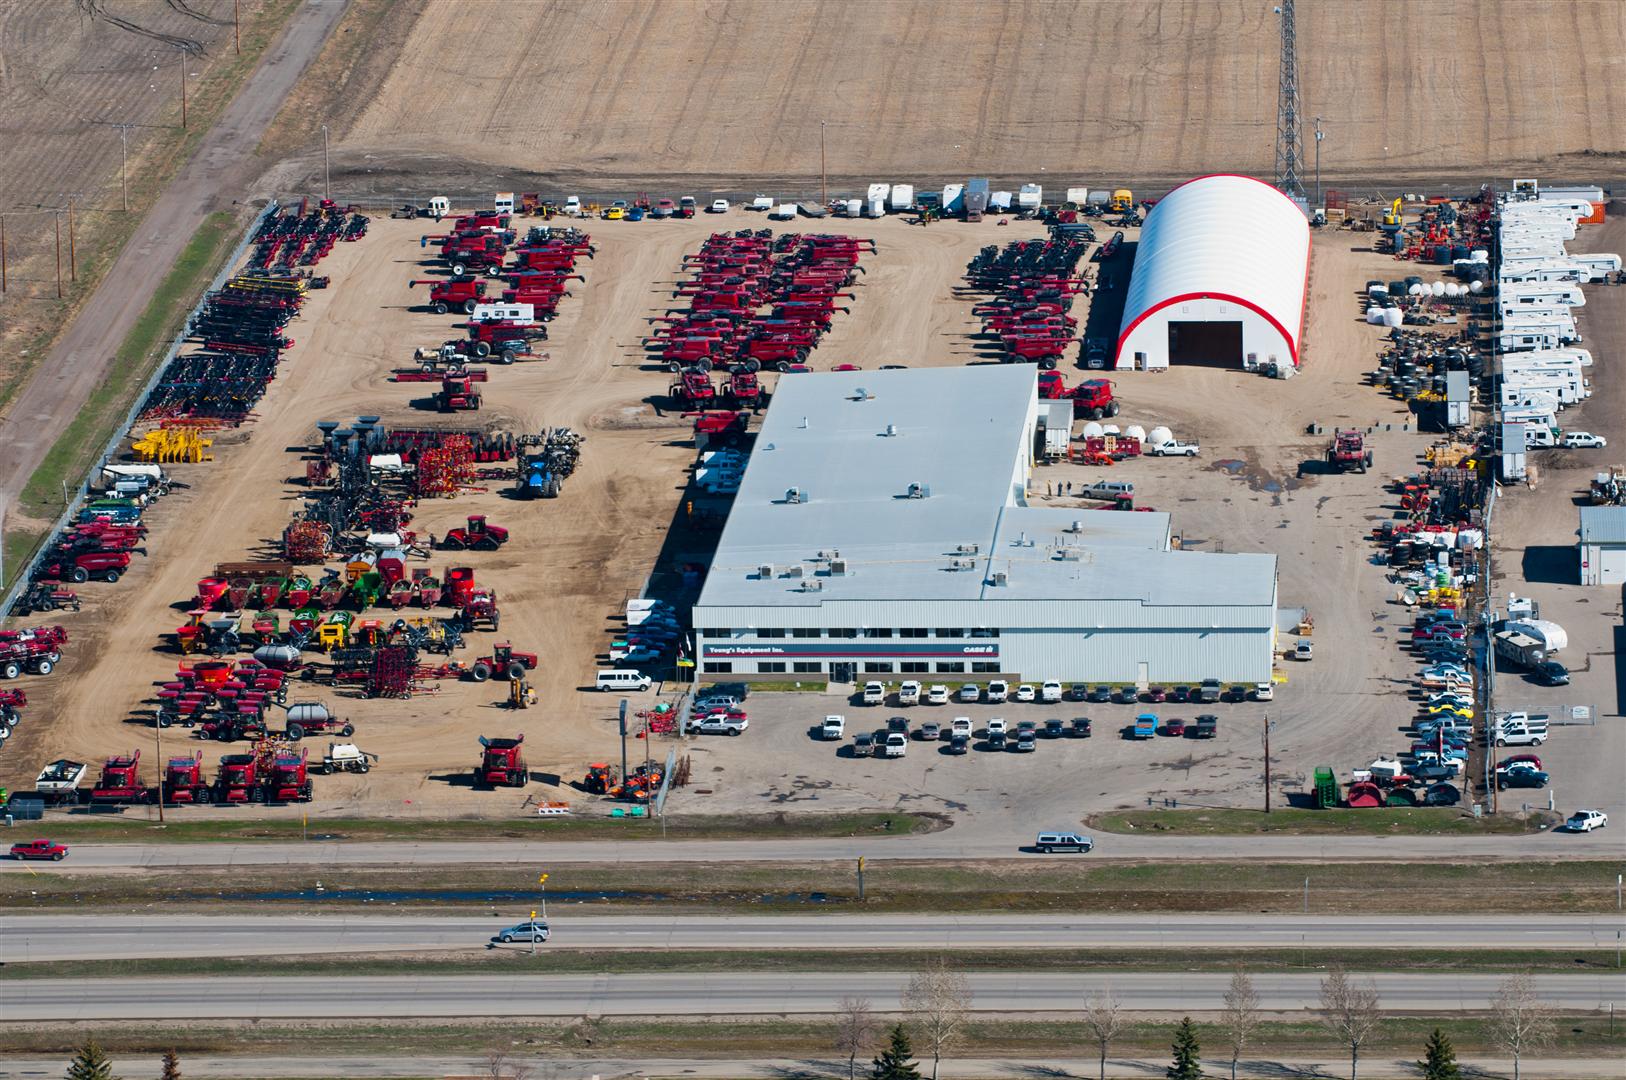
{"x": 771, "y": 632}
{"x": 714, "y": 632}
{"x": 807, "y": 667}
{"x": 805, "y": 631}
{"x": 880, "y": 666}
{"x": 919, "y": 667}
{"x": 843, "y": 632}
{"x": 771, "y": 667}
{"x": 719, "y": 667}
{"x": 984, "y": 665}
{"x": 983, "y": 631}
{"x": 944, "y": 632}
{"x": 912, "y": 631}
{"x": 950, "y": 667}
{"x": 878, "y": 631}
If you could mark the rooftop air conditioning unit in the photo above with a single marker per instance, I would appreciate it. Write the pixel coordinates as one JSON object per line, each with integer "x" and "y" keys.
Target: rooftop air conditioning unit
{"x": 967, "y": 549}
{"x": 962, "y": 564}
{"x": 796, "y": 495}
{"x": 838, "y": 567}
{"x": 1000, "y": 578}
{"x": 832, "y": 553}
{"x": 812, "y": 585}
{"x": 1077, "y": 526}
{"x": 891, "y": 430}
{"x": 793, "y": 571}
{"x": 920, "y": 491}
{"x": 765, "y": 571}
{"x": 1071, "y": 554}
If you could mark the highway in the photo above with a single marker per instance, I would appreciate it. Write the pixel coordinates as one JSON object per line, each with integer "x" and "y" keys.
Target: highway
{"x": 658, "y": 993}
{"x": 979, "y": 842}
{"x": 38, "y": 938}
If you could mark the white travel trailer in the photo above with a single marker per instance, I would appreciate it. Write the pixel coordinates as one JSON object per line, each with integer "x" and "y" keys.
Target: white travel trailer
{"x": 1540, "y": 268}
{"x": 1029, "y": 197}
{"x": 901, "y": 198}
{"x": 1516, "y": 339}
{"x": 1539, "y": 296}
{"x": 1559, "y": 322}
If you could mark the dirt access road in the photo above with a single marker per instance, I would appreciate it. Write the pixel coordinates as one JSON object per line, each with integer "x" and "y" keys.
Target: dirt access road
{"x": 213, "y": 180}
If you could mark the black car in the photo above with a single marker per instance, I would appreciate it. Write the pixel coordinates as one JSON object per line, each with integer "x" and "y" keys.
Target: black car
{"x": 959, "y": 744}
{"x": 1180, "y": 694}
{"x": 996, "y": 740}
{"x": 1054, "y": 729}
{"x": 1077, "y": 692}
{"x": 1530, "y": 778}
{"x": 1100, "y": 695}
{"x": 1207, "y": 726}
{"x": 1551, "y": 673}
{"x": 879, "y": 738}
{"x": 1080, "y": 728}
{"x": 1429, "y": 774}
{"x": 899, "y": 724}
{"x": 1126, "y": 695}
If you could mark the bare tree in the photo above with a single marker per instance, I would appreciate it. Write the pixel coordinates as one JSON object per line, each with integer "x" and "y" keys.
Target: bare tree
{"x": 855, "y": 1030}
{"x": 940, "y": 999}
{"x": 498, "y": 1067}
{"x": 1105, "y": 1021}
{"x": 1519, "y": 1021}
{"x": 1350, "y": 1011}
{"x": 1241, "y": 1016}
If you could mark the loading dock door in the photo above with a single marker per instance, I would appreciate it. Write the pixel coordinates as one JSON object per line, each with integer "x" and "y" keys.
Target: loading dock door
{"x": 1218, "y": 344}
{"x": 1611, "y": 566}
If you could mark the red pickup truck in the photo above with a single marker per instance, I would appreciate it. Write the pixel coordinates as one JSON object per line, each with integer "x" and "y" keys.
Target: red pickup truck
{"x": 39, "y": 849}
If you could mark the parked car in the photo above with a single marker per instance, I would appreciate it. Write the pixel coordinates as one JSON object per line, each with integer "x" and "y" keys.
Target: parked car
{"x": 1303, "y": 651}
{"x": 1207, "y": 726}
{"x": 1054, "y": 729}
{"x": 1100, "y": 695}
{"x": 1209, "y": 692}
{"x": 1528, "y": 759}
{"x": 1080, "y": 728}
{"x": 718, "y": 206}
{"x": 39, "y": 849}
{"x": 1237, "y": 692}
{"x": 1180, "y": 694}
{"x": 1025, "y": 692}
{"x": 1126, "y": 695}
{"x": 721, "y": 722}
{"x": 874, "y": 693}
{"x": 1550, "y": 673}
{"x": 1026, "y": 742}
{"x": 959, "y": 744}
{"x": 1079, "y": 692}
{"x": 960, "y": 725}
{"x": 1584, "y": 440}
{"x": 1429, "y": 774}
{"x": 909, "y": 693}
{"x": 998, "y": 690}
{"x": 899, "y": 724}
{"x": 526, "y": 931}
{"x": 997, "y": 726}
{"x": 996, "y": 740}
{"x": 1586, "y": 821}
{"x": 1062, "y": 840}
{"x": 835, "y": 727}
{"x": 1050, "y": 691}
{"x": 863, "y": 744}
{"x": 930, "y": 731}
{"x": 1145, "y": 726}
{"x": 1028, "y": 725}
{"x": 1522, "y": 778}
{"x": 1154, "y": 695}
{"x": 897, "y": 744}
{"x": 1263, "y": 691}
{"x": 970, "y": 692}
{"x": 937, "y": 694}
{"x": 1174, "y": 728}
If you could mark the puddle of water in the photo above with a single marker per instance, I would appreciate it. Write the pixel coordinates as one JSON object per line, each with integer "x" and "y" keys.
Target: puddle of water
{"x": 1231, "y": 465}
{"x": 1271, "y": 486}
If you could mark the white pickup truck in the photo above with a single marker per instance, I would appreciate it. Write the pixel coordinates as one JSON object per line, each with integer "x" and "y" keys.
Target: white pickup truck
{"x": 1171, "y": 448}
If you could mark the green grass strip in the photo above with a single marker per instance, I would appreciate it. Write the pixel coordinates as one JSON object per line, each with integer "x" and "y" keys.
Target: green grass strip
{"x": 1378, "y": 821}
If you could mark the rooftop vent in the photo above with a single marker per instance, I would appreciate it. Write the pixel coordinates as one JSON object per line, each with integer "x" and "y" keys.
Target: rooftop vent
{"x": 793, "y": 571}
{"x": 967, "y": 549}
{"x": 831, "y": 553}
{"x": 796, "y": 495}
{"x": 962, "y": 564}
{"x": 803, "y": 424}
{"x": 765, "y": 572}
{"x": 891, "y": 431}
{"x": 1000, "y": 578}
{"x": 811, "y": 585}
{"x": 1071, "y": 554}
{"x": 860, "y": 394}
{"x": 838, "y": 567}
{"x": 1077, "y": 526}
{"x": 919, "y": 491}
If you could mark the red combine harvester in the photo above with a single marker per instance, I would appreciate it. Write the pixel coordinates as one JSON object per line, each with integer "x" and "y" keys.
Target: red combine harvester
{"x": 287, "y": 778}
{"x": 238, "y": 780}
{"x": 121, "y": 782}
{"x": 502, "y": 763}
{"x": 464, "y": 293}
{"x": 184, "y": 782}
{"x": 694, "y": 388}
{"x": 458, "y": 393}
{"x": 1093, "y": 398}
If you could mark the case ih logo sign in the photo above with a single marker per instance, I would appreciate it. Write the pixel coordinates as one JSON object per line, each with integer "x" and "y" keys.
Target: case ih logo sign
{"x": 838, "y": 650}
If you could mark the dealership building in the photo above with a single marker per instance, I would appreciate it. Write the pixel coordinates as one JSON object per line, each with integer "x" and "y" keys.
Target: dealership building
{"x": 882, "y": 530}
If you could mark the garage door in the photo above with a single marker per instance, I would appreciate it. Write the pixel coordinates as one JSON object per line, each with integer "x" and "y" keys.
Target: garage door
{"x": 1215, "y": 343}
{"x": 1612, "y": 566}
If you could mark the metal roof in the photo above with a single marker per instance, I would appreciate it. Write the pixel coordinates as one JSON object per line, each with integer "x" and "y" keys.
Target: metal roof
{"x": 1227, "y": 237}
{"x": 851, "y": 444}
{"x": 1603, "y": 524}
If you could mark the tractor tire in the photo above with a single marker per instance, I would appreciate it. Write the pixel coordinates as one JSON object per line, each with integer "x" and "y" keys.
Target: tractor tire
{"x": 440, "y": 307}
{"x": 305, "y": 791}
{"x": 10, "y": 669}
{"x": 703, "y": 365}
{"x": 495, "y": 618}
{"x": 494, "y": 270}
{"x": 163, "y": 720}
{"x": 516, "y": 671}
{"x": 1095, "y": 414}
{"x": 296, "y": 731}
{"x": 54, "y": 656}
{"x": 753, "y": 365}
{"x": 674, "y": 367}
{"x": 1048, "y": 363}
{"x": 469, "y": 306}
{"x": 79, "y": 575}
{"x": 223, "y": 734}
{"x": 551, "y": 491}
{"x": 480, "y": 672}
{"x": 782, "y": 366}
{"x": 508, "y": 356}
{"x": 457, "y": 269}
{"x": 520, "y": 779}
{"x": 256, "y": 795}
{"x": 348, "y": 730}
{"x": 1112, "y": 410}
{"x": 43, "y": 667}
{"x": 363, "y": 767}
{"x": 5, "y": 733}
{"x": 482, "y": 348}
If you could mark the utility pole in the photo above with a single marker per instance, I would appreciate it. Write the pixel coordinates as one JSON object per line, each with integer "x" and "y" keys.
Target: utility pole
{"x": 124, "y": 165}
{"x": 237, "y": 26}
{"x": 1319, "y": 135}
{"x": 824, "y": 174}
{"x": 327, "y": 187}
{"x": 1269, "y": 727}
{"x": 73, "y": 262}
{"x": 1289, "y": 152}
{"x": 158, "y": 739}
{"x": 2, "y": 253}
{"x": 623, "y": 740}
{"x": 57, "y": 217}
{"x": 183, "y": 91}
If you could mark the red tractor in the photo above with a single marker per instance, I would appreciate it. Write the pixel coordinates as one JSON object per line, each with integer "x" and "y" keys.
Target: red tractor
{"x": 121, "y": 781}
{"x": 184, "y": 782}
{"x": 480, "y": 611}
{"x": 479, "y": 535}
{"x": 287, "y": 778}
{"x": 458, "y": 393}
{"x": 504, "y": 663}
{"x": 1093, "y": 398}
{"x": 502, "y": 764}
{"x": 465, "y": 293}
{"x": 694, "y": 388}
{"x": 239, "y": 779}
{"x": 1348, "y": 452}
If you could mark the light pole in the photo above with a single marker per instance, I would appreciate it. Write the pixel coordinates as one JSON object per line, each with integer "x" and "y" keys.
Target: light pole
{"x": 124, "y": 165}
{"x": 824, "y": 173}
{"x": 1269, "y": 727}
{"x": 1319, "y": 135}
{"x": 327, "y": 192}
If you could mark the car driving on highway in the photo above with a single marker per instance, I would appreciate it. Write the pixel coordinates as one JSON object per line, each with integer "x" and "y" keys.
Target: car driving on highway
{"x": 39, "y": 849}
{"x": 525, "y": 931}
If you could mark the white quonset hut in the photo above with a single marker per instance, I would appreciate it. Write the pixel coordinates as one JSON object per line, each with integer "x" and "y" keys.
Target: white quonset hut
{"x": 882, "y": 529}
{"x": 1219, "y": 278}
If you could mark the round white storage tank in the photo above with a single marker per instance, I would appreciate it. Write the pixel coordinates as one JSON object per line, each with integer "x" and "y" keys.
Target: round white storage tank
{"x": 1438, "y": 288}
{"x": 1161, "y": 435}
{"x": 1110, "y": 429}
{"x": 1135, "y": 431}
{"x": 1414, "y": 289}
{"x": 1453, "y": 289}
{"x": 1476, "y": 287}
{"x": 1092, "y": 430}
